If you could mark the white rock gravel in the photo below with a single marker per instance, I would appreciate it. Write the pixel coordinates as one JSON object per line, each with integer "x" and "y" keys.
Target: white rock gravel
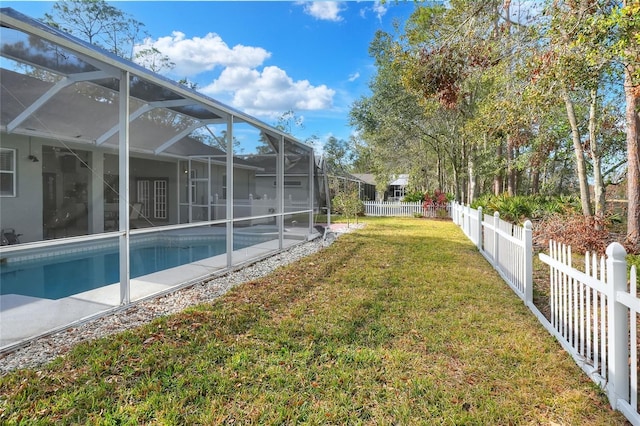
{"x": 47, "y": 348}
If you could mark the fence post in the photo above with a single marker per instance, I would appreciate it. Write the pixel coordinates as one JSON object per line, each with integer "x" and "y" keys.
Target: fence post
{"x": 467, "y": 220}
{"x": 528, "y": 262}
{"x": 454, "y": 212}
{"x": 496, "y": 236}
{"x": 618, "y": 325}
{"x": 479, "y": 230}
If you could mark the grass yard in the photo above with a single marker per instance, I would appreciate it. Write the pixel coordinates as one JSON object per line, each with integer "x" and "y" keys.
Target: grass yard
{"x": 402, "y": 322}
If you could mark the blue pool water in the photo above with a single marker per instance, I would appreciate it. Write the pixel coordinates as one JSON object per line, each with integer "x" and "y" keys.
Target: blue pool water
{"x": 63, "y": 276}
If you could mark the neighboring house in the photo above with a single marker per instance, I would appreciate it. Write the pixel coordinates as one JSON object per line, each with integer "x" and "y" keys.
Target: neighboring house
{"x": 395, "y": 190}
{"x": 368, "y": 190}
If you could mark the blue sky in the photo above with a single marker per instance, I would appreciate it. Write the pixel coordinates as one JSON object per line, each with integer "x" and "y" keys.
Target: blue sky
{"x": 268, "y": 57}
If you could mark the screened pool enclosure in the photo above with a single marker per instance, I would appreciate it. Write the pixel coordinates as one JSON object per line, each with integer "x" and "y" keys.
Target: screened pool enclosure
{"x": 117, "y": 184}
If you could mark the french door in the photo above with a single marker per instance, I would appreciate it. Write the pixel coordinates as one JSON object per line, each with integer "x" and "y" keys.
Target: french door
{"x": 152, "y": 197}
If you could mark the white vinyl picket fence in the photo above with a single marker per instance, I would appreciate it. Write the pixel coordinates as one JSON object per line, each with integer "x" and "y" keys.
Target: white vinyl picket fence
{"x": 593, "y": 313}
{"x": 394, "y": 208}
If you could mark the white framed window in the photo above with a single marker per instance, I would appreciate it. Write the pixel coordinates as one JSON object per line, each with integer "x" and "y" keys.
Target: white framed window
{"x": 7, "y": 172}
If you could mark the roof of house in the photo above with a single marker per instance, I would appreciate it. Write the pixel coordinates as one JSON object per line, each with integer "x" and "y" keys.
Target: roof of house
{"x": 369, "y": 178}
{"x": 399, "y": 180}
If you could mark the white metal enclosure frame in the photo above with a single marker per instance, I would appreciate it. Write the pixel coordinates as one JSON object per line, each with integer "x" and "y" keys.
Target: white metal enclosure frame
{"x": 106, "y": 137}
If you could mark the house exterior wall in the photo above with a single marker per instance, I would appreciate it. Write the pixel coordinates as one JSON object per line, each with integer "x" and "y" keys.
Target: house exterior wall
{"x": 24, "y": 211}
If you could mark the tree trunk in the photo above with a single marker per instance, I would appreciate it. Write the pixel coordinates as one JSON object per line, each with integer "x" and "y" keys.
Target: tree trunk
{"x": 440, "y": 174}
{"x": 511, "y": 176}
{"x": 579, "y": 153}
{"x": 456, "y": 183}
{"x": 473, "y": 178}
{"x": 633, "y": 161}
{"x": 598, "y": 182}
{"x": 535, "y": 181}
{"x": 497, "y": 178}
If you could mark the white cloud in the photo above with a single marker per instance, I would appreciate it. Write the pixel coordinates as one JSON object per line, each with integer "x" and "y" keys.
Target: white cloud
{"x": 323, "y": 10}
{"x": 200, "y": 54}
{"x": 354, "y": 76}
{"x": 270, "y": 92}
{"x": 379, "y": 9}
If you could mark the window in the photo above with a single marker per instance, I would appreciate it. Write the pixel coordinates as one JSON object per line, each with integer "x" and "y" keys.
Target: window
{"x": 289, "y": 183}
{"x": 7, "y": 172}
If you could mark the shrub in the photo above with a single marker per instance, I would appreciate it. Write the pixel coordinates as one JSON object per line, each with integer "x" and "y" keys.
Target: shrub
{"x": 581, "y": 233}
{"x": 348, "y": 203}
{"x": 436, "y": 202}
{"x": 519, "y": 208}
{"x": 438, "y": 199}
{"x": 413, "y": 197}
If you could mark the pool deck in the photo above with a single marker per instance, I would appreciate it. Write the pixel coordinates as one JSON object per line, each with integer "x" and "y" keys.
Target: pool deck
{"x": 23, "y": 317}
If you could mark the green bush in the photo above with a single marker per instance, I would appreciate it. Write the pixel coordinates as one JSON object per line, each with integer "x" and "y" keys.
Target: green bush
{"x": 413, "y": 197}
{"x": 519, "y": 208}
{"x": 348, "y": 204}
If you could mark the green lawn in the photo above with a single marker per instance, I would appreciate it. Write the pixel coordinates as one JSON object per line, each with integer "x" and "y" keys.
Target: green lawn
{"x": 402, "y": 322}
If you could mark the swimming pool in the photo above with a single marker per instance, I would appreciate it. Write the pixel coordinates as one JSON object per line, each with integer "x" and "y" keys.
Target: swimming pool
{"x": 55, "y": 277}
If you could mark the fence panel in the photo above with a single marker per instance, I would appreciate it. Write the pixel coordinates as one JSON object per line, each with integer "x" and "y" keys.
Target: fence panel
{"x": 504, "y": 245}
{"x": 391, "y": 208}
{"x": 593, "y": 314}
{"x": 578, "y": 307}
{"x": 489, "y": 241}
{"x": 629, "y": 300}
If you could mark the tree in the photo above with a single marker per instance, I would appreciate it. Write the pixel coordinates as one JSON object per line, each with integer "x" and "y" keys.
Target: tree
{"x": 346, "y": 201}
{"x": 108, "y": 27}
{"x": 98, "y": 23}
{"x": 451, "y": 56}
{"x": 152, "y": 59}
{"x": 396, "y": 132}
{"x": 629, "y": 49}
{"x": 601, "y": 35}
{"x": 289, "y": 121}
{"x": 509, "y": 105}
{"x": 337, "y": 156}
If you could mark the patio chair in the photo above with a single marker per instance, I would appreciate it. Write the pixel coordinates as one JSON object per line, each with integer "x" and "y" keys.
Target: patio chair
{"x": 9, "y": 237}
{"x": 135, "y": 215}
